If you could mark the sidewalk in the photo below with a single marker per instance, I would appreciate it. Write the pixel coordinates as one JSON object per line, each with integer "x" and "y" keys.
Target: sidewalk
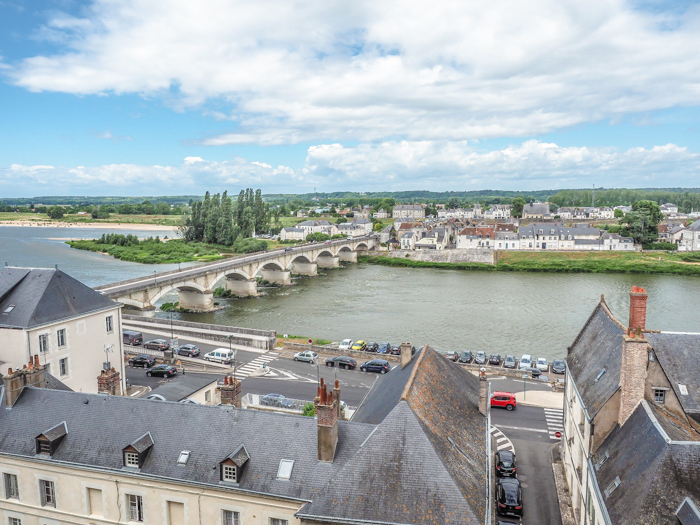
{"x": 540, "y": 398}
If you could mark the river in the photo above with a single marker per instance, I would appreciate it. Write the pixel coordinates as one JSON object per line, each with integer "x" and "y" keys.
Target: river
{"x": 503, "y": 312}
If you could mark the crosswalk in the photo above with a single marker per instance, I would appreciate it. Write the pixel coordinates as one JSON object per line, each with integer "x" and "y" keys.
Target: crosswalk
{"x": 555, "y": 421}
{"x": 502, "y": 442}
{"x": 249, "y": 368}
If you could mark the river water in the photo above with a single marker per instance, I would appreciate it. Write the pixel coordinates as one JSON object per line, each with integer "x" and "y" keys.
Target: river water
{"x": 504, "y": 312}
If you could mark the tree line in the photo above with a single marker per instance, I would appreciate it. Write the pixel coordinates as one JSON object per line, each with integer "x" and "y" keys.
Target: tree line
{"x": 686, "y": 200}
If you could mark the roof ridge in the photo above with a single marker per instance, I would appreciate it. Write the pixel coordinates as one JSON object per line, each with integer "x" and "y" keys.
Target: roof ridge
{"x": 607, "y": 311}
{"x": 409, "y": 383}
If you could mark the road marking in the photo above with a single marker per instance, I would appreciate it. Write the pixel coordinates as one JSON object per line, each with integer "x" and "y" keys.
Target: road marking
{"x": 540, "y": 430}
{"x": 249, "y": 368}
{"x": 135, "y": 393}
{"x": 502, "y": 441}
{"x": 555, "y": 421}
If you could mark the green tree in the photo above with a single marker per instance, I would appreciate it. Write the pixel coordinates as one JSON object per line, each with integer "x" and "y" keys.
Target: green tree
{"x": 517, "y": 206}
{"x": 619, "y": 214}
{"x": 642, "y": 222}
{"x": 55, "y": 212}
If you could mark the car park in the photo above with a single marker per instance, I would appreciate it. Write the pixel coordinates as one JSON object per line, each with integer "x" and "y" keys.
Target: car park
{"x": 307, "y": 356}
{"x": 534, "y": 372}
{"x": 384, "y": 348}
{"x": 376, "y": 365}
{"x": 162, "y": 371}
{"x": 466, "y": 357}
{"x": 346, "y": 344}
{"x": 509, "y": 498}
{"x": 342, "y": 361}
{"x": 452, "y": 356}
{"x": 542, "y": 364}
{"x": 359, "y": 346}
{"x": 189, "y": 350}
{"x": 559, "y": 366}
{"x": 276, "y": 400}
{"x": 495, "y": 359}
{"x": 130, "y": 337}
{"x": 372, "y": 347}
{"x": 504, "y": 400}
{"x": 157, "y": 344}
{"x": 220, "y": 355}
{"x": 510, "y": 362}
{"x": 396, "y": 349}
{"x": 480, "y": 358}
{"x": 505, "y": 464}
{"x": 143, "y": 360}
{"x": 526, "y": 361}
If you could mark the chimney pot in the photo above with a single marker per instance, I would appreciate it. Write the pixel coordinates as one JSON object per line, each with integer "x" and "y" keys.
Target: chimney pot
{"x": 638, "y": 310}
{"x": 36, "y": 361}
{"x": 9, "y": 371}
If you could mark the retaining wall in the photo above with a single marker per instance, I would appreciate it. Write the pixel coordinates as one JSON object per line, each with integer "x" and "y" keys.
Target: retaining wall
{"x": 300, "y": 347}
{"x": 484, "y": 256}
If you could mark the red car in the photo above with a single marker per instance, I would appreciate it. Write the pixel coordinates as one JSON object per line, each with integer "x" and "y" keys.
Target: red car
{"x": 503, "y": 399}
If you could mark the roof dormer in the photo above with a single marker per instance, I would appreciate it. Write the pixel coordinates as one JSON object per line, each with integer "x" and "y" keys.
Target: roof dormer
{"x": 47, "y": 442}
{"x": 135, "y": 453}
{"x": 231, "y": 468}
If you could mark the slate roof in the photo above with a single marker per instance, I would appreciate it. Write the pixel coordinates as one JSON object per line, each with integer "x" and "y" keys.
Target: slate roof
{"x": 41, "y": 296}
{"x": 597, "y": 347}
{"x": 56, "y": 431}
{"x": 688, "y": 513}
{"x": 695, "y": 226}
{"x": 657, "y": 472}
{"x": 183, "y": 387}
{"x": 536, "y": 208}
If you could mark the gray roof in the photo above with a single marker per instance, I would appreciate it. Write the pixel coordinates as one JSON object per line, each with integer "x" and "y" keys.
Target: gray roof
{"x": 695, "y": 226}
{"x": 183, "y": 387}
{"x": 414, "y": 207}
{"x": 597, "y": 347}
{"x": 143, "y": 443}
{"x": 536, "y": 208}
{"x": 688, "y": 513}
{"x": 41, "y": 296}
{"x": 657, "y": 470}
{"x": 293, "y": 230}
{"x": 56, "y": 431}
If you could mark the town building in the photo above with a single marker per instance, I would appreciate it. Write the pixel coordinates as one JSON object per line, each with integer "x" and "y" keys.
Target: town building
{"x": 472, "y": 237}
{"x": 413, "y": 211}
{"x": 318, "y": 226}
{"x": 292, "y": 234}
{"x": 536, "y": 210}
{"x": 381, "y": 214}
{"x": 631, "y": 443}
{"x": 71, "y": 328}
{"x": 507, "y": 241}
{"x": 435, "y": 239}
{"x": 547, "y": 236}
{"x": 690, "y": 238}
{"x": 615, "y": 242}
{"x": 585, "y": 212}
{"x": 366, "y": 224}
{"x": 351, "y": 230}
{"x": 198, "y": 389}
{"x": 669, "y": 209}
{"x": 498, "y": 211}
{"x": 408, "y": 240}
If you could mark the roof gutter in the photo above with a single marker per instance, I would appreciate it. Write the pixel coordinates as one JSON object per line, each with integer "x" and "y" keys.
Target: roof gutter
{"x": 63, "y": 319}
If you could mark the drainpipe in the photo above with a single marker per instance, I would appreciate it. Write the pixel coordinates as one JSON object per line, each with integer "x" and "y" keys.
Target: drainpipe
{"x": 487, "y": 518}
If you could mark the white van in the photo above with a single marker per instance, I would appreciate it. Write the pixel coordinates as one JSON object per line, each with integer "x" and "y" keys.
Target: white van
{"x": 526, "y": 361}
{"x": 220, "y": 355}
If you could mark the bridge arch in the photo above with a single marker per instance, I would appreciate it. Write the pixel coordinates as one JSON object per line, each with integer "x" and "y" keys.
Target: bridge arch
{"x": 189, "y": 286}
{"x": 325, "y": 253}
{"x": 272, "y": 265}
{"x": 345, "y": 249}
{"x": 236, "y": 275}
{"x": 361, "y": 247}
{"x": 300, "y": 259}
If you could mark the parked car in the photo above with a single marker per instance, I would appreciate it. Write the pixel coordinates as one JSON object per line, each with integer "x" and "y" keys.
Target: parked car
{"x": 189, "y": 350}
{"x": 495, "y": 359}
{"x": 510, "y": 362}
{"x": 372, "y": 347}
{"x": 162, "y": 371}
{"x": 359, "y": 346}
{"x": 157, "y": 344}
{"x": 480, "y": 358}
{"x": 534, "y": 372}
{"x": 466, "y": 357}
{"x": 276, "y": 400}
{"x": 505, "y": 464}
{"x": 509, "y": 498}
{"x": 220, "y": 355}
{"x": 396, "y": 349}
{"x": 542, "y": 364}
{"x": 346, "y": 344}
{"x": 452, "y": 356}
{"x": 526, "y": 361}
{"x": 384, "y": 348}
{"x": 307, "y": 356}
{"x": 376, "y": 365}
{"x": 342, "y": 361}
{"x": 288, "y": 249}
{"x": 129, "y": 337}
{"x": 559, "y": 366}
{"x": 504, "y": 400}
{"x": 542, "y": 378}
{"x": 144, "y": 360}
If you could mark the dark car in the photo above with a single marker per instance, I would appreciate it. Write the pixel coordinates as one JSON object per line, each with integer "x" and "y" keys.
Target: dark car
{"x": 559, "y": 366}
{"x": 342, "y": 361}
{"x": 189, "y": 350}
{"x": 396, "y": 349}
{"x": 130, "y": 337}
{"x": 534, "y": 372}
{"x": 466, "y": 357}
{"x": 509, "y": 497}
{"x": 495, "y": 359}
{"x": 376, "y": 365}
{"x": 505, "y": 464}
{"x": 384, "y": 348}
{"x": 288, "y": 249}
{"x": 157, "y": 344}
{"x": 146, "y": 361}
{"x": 510, "y": 362}
{"x": 276, "y": 400}
{"x": 452, "y": 356}
{"x": 372, "y": 347}
{"x": 162, "y": 371}
{"x": 480, "y": 358}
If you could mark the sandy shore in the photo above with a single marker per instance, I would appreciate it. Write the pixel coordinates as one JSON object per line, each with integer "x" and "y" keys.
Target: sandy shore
{"x": 98, "y": 225}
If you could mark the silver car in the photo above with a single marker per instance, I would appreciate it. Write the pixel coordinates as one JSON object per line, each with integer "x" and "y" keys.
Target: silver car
{"x": 307, "y": 356}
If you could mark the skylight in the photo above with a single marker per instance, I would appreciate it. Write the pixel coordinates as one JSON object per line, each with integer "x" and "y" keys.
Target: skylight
{"x": 602, "y": 460}
{"x": 611, "y": 488}
{"x": 285, "y": 470}
{"x": 9, "y": 309}
{"x": 683, "y": 389}
{"x": 600, "y": 374}
{"x": 184, "y": 456}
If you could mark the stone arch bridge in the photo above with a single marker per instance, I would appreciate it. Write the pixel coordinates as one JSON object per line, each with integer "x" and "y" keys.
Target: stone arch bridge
{"x": 195, "y": 285}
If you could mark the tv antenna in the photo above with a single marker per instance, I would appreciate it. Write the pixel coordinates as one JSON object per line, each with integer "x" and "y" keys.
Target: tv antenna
{"x": 107, "y": 349}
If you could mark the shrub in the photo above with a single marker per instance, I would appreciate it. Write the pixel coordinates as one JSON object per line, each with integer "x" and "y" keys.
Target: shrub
{"x": 309, "y": 410}
{"x": 668, "y": 246}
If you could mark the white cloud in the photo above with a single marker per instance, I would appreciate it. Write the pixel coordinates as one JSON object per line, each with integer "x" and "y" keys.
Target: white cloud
{"x": 290, "y": 71}
{"x": 394, "y": 165}
{"x": 108, "y": 135}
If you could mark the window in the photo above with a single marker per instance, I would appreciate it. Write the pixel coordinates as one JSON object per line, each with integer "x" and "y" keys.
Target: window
{"x": 285, "y": 469}
{"x": 135, "y": 504}
{"x": 207, "y": 396}
{"x": 48, "y": 493}
{"x": 277, "y": 521}
{"x": 61, "y": 336}
{"x": 11, "y": 486}
{"x": 63, "y": 366}
{"x": 44, "y": 447}
{"x": 232, "y": 518}
{"x": 44, "y": 343}
{"x": 659, "y": 395}
{"x": 9, "y": 309}
{"x": 228, "y": 473}
{"x": 131, "y": 459}
{"x": 109, "y": 324}
{"x": 14, "y": 521}
{"x": 94, "y": 498}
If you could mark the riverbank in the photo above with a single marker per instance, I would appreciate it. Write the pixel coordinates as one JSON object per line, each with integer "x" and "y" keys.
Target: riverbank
{"x": 97, "y": 225}
{"x": 153, "y": 251}
{"x": 563, "y": 262}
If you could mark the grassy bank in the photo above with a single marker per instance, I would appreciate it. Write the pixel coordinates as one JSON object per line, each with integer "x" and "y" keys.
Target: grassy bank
{"x": 152, "y": 251}
{"x": 566, "y": 262}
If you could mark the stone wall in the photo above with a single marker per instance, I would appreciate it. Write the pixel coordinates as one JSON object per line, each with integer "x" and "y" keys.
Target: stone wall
{"x": 484, "y": 256}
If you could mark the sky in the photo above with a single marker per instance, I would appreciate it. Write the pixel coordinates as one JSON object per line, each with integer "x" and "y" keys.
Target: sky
{"x": 171, "y": 97}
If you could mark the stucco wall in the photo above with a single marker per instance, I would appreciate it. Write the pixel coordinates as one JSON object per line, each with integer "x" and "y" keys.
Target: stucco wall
{"x": 451, "y": 256}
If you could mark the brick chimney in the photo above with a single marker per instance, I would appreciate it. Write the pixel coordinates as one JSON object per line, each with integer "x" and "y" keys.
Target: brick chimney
{"x": 231, "y": 392}
{"x": 108, "y": 382}
{"x": 406, "y": 350}
{"x": 635, "y": 355}
{"x": 327, "y": 412}
{"x": 32, "y": 374}
{"x": 483, "y": 392}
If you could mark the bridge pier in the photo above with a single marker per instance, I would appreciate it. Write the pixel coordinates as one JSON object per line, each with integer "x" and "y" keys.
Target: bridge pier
{"x": 195, "y": 300}
{"x": 328, "y": 262}
{"x": 302, "y": 268}
{"x": 242, "y": 288}
{"x": 347, "y": 256}
{"x": 283, "y": 277}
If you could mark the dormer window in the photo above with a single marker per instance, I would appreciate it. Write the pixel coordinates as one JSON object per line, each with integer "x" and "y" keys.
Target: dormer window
{"x": 47, "y": 443}
{"x": 131, "y": 459}
{"x": 229, "y": 473}
{"x": 135, "y": 453}
{"x": 231, "y": 468}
